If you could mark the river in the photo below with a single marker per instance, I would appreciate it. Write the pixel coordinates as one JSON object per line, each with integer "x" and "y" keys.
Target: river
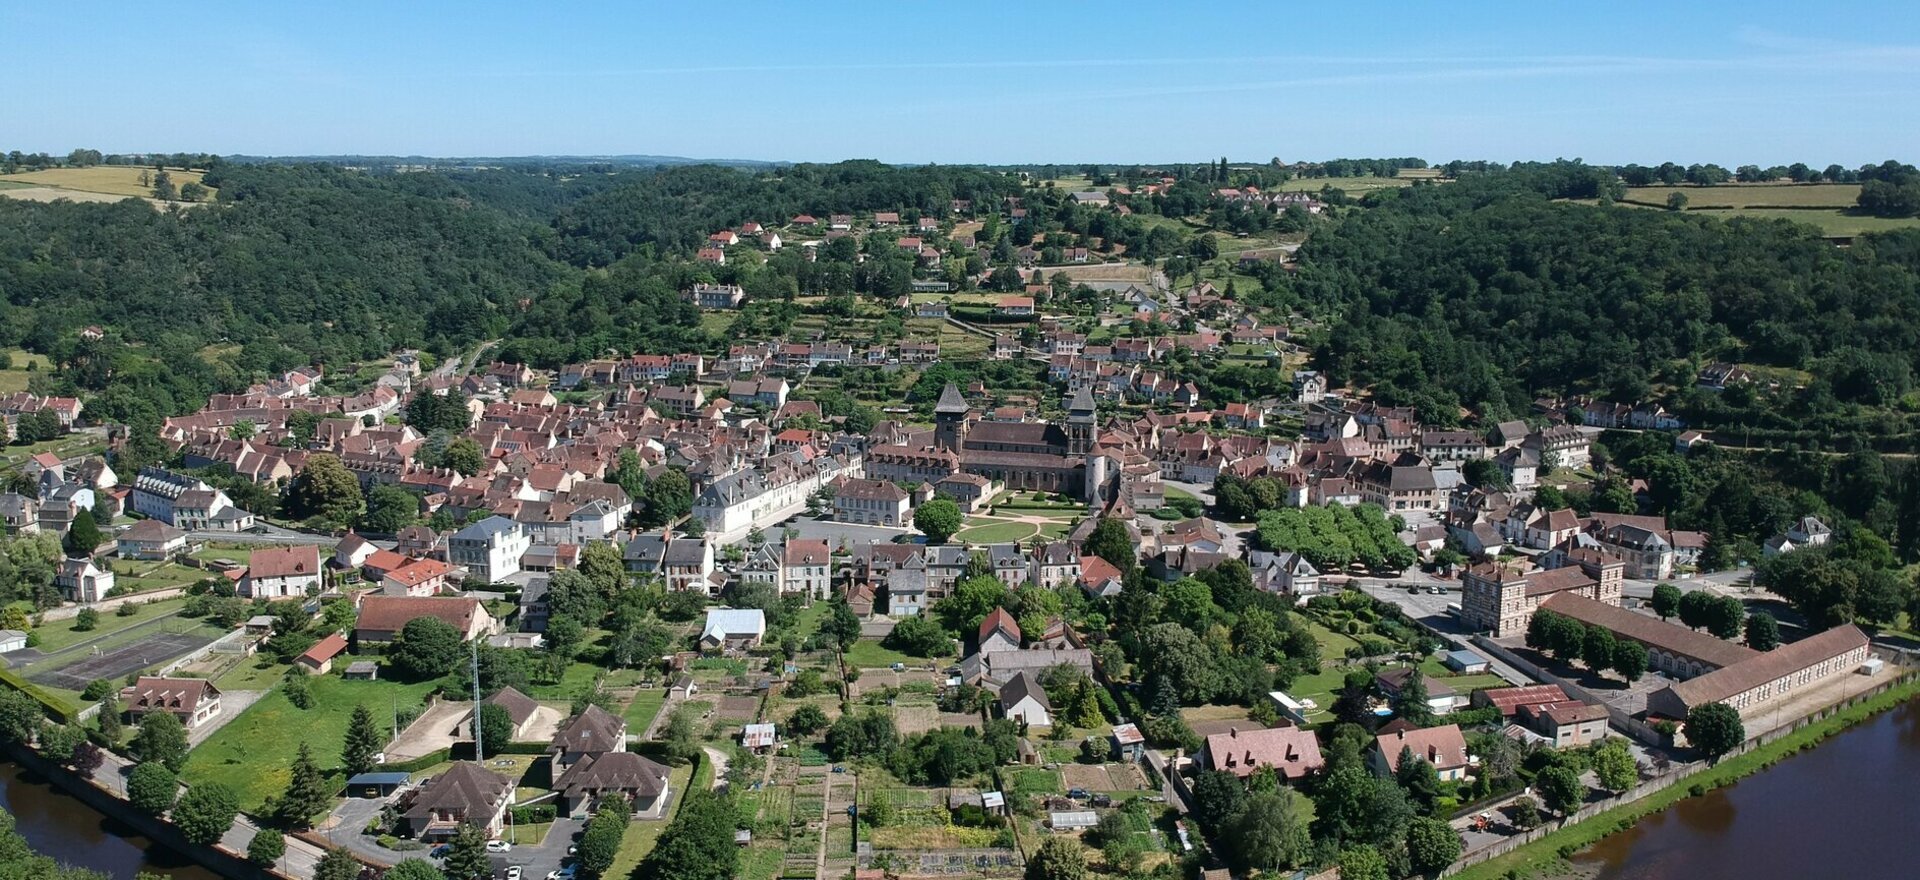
{"x": 1843, "y": 809}
{"x": 72, "y": 832}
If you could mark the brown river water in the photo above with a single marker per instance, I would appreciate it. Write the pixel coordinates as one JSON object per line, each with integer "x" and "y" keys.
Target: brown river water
{"x": 72, "y": 832}
{"x": 1843, "y": 810}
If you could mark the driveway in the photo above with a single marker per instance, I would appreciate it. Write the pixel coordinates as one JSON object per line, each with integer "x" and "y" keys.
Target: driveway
{"x": 536, "y": 861}
{"x": 232, "y": 703}
{"x": 431, "y": 732}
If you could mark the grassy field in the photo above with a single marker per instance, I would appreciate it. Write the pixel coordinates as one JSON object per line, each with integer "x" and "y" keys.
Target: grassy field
{"x": 646, "y": 704}
{"x": 1752, "y": 195}
{"x": 254, "y": 752}
{"x": 869, "y": 654}
{"x": 1829, "y": 222}
{"x": 1354, "y": 186}
{"x": 14, "y": 378}
{"x": 110, "y": 180}
{"x": 60, "y": 634}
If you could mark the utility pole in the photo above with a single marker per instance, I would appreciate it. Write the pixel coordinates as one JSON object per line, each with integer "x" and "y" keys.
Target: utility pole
{"x": 478, "y": 745}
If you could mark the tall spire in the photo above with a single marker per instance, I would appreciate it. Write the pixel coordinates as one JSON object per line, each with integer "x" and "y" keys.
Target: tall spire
{"x": 1082, "y": 402}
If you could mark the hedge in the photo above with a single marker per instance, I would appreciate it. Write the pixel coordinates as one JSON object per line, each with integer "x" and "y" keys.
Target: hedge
{"x": 60, "y": 709}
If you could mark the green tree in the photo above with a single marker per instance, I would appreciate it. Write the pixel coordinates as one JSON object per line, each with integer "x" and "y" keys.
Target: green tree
{"x": 161, "y": 738}
{"x": 307, "y": 793}
{"x": 1763, "y": 631}
{"x": 842, "y": 625}
{"x": 600, "y": 842}
{"x": 1666, "y": 600}
{"x": 939, "y": 519}
{"x": 107, "y": 720}
{"x": 20, "y": 715}
{"x": 1432, "y": 845}
{"x": 466, "y": 857}
{"x": 697, "y": 844}
{"x": 86, "y": 620}
{"x": 268, "y": 845}
{"x": 1058, "y": 858}
{"x": 1725, "y": 616}
{"x": 390, "y": 509}
{"x": 1272, "y": 832}
{"x": 327, "y": 491}
{"x": 1111, "y": 541}
{"x": 1629, "y": 659}
{"x": 465, "y": 458}
{"x": 428, "y": 648}
{"x": 1614, "y": 764}
{"x": 1715, "y": 729}
{"x": 920, "y": 636}
{"x": 205, "y": 812}
{"x": 363, "y": 741}
{"x": 413, "y": 869}
{"x": 338, "y": 864}
{"x": 83, "y": 536}
{"x": 496, "y": 728}
{"x": 1363, "y": 863}
{"x": 669, "y": 497}
{"x": 1599, "y": 648}
{"x": 1696, "y": 609}
{"x": 152, "y": 788}
{"x": 806, "y": 720}
{"x": 1676, "y": 201}
{"x": 1560, "y": 787}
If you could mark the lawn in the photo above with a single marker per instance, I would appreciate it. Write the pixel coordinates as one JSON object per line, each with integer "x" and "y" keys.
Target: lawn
{"x": 60, "y": 634}
{"x": 997, "y": 533}
{"x": 1333, "y": 645}
{"x": 14, "y": 378}
{"x": 641, "y": 836}
{"x": 249, "y": 675}
{"x": 646, "y": 704}
{"x": 143, "y": 577}
{"x": 113, "y": 180}
{"x": 254, "y": 752}
{"x": 870, "y": 654}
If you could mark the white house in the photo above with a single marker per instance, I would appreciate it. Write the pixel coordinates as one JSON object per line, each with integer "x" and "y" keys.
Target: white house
{"x": 490, "y": 549}
{"x": 1022, "y": 699}
{"x": 282, "y": 572}
{"x": 80, "y": 580}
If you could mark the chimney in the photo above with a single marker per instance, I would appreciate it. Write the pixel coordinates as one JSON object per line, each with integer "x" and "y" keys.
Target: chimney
{"x": 1233, "y": 732}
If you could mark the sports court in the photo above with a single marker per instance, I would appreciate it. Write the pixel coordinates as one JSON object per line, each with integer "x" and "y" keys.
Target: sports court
{"x": 116, "y": 663}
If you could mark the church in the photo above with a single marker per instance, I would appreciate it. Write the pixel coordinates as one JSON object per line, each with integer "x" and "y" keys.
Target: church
{"x": 1029, "y": 456}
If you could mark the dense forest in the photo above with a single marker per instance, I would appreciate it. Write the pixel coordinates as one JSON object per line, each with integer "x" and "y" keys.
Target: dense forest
{"x": 1488, "y": 293}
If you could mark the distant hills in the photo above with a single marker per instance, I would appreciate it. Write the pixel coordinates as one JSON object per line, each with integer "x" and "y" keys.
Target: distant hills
{"x": 622, "y": 161}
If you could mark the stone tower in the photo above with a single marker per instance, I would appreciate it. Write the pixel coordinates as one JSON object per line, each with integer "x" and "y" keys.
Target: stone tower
{"x": 950, "y": 419}
{"x": 1081, "y": 414}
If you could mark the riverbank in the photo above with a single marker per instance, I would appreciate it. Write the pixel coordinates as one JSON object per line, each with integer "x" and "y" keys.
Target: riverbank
{"x": 54, "y": 822}
{"x": 1547, "y": 858}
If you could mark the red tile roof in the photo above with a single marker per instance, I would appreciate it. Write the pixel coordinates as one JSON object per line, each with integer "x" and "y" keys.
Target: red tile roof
{"x": 999, "y": 619}
{"x": 1292, "y": 752}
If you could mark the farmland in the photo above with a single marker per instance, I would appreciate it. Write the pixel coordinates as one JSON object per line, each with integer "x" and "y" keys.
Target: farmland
{"x": 1763, "y": 195}
{"x": 99, "y": 183}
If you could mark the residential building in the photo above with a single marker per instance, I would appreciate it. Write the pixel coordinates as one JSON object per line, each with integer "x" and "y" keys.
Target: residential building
{"x": 1292, "y": 752}
{"x": 192, "y": 700}
{"x": 1443, "y": 747}
{"x": 635, "y": 779}
{"x": 382, "y": 618}
{"x": 806, "y": 568}
{"x": 1023, "y": 700}
{"x": 593, "y": 733}
{"x": 282, "y": 572}
{"x": 1566, "y": 723}
{"x": 872, "y": 502}
{"x": 151, "y": 540}
{"x": 490, "y": 550}
{"x": 1502, "y": 598}
{"x": 82, "y": 580}
{"x": 466, "y": 794}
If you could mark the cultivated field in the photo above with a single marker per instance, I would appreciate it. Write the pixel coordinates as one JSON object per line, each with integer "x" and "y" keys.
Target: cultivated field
{"x": 1831, "y": 222}
{"x": 1753, "y": 195}
{"x": 1355, "y": 186}
{"x": 101, "y": 183}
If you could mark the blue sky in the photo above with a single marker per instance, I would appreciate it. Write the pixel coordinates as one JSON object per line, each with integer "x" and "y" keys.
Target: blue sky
{"x": 1762, "y": 82}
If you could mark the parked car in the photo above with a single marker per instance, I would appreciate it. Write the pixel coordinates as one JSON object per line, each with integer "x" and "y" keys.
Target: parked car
{"x": 1078, "y": 794}
{"x": 513, "y": 872}
{"x": 499, "y": 846}
{"x": 566, "y": 873}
